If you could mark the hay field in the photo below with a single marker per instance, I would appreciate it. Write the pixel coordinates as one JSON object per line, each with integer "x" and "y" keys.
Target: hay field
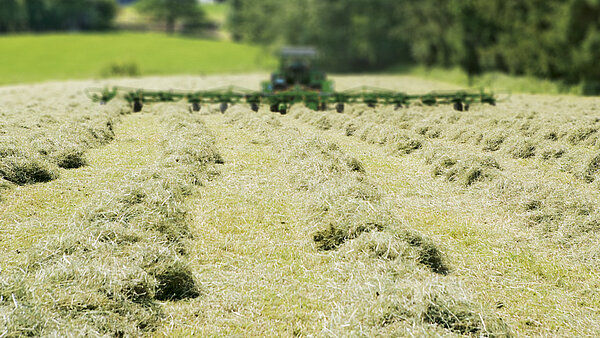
{"x": 417, "y": 222}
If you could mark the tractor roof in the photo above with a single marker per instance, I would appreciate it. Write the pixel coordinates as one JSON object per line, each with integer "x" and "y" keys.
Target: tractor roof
{"x": 299, "y": 52}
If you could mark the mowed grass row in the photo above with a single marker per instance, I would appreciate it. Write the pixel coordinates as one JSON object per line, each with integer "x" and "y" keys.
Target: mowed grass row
{"x": 538, "y": 270}
{"x": 37, "y": 143}
{"x": 123, "y": 251}
{"x": 540, "y": 165}
{"x": 294, "y": 239}
{"x": 34, "y": 58}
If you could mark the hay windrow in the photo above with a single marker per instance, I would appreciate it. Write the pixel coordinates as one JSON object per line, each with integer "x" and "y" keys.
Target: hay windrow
{"x": 352, "y": 218}
{"x": 470, "y": 155}
{"x": 118, "y": 258}
{"x": 23, "y": 170}
{"x": 32, "y": 149}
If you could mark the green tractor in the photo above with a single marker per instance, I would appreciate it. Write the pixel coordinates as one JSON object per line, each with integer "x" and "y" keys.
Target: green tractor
{"x": 297, "y": 71}
{"x": 297, "y": 80}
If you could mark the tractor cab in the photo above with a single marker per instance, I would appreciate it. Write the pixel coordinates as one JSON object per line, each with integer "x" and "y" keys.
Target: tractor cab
{"x": 297, "y": 71}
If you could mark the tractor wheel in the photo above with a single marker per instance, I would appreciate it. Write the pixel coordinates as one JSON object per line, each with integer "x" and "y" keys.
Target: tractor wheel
{"x": 339, "y": 108}
{"x": 322, "y": 106}
{"x": 466, "y": 107}
{"x": 398, "y": 106}
{"x": 371, "y": 105}
{"x": 274, "y": 108}
{"x": 458, "y": 106}
{"x": 254, "y": 107}
{"x": 137, "y": 106}
{"x": 223, "y": 107}
{"x": 196, "y": 106}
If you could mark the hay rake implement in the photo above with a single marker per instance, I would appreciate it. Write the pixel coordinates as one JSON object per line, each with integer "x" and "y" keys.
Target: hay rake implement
{"x": 281, "y": 101}
{"x": 296, "y": 81}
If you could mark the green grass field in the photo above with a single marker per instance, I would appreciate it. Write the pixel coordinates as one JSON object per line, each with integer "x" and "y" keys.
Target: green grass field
{"x": 29, "y": 58}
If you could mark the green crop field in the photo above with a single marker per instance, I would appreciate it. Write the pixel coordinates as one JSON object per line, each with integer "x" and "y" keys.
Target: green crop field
{"x": 421, "y": 221}
{"x": 33, "y": 58}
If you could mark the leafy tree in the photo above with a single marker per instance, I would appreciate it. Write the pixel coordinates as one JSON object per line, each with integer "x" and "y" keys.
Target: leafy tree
{"x": 428, "y": 28}
{"x": 36, "y": 13}
{"x": 171, "y": 11}
{"x": 351, "y": 35}
{"x": 11, "y": 16}
{"x": 258, "y": 21}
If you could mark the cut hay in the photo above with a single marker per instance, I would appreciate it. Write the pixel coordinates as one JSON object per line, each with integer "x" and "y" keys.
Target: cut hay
{"x": 458, "y": 316}
{"x": 118, "y": 258}
{"x": 32, "y": 148}
{"x": 522, "y": 148}
{"x": 30, "y": 169}
{"x": 465, "y": 171}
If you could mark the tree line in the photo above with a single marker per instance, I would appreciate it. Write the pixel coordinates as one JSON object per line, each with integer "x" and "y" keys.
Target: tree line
{"x": 553, "y": 39}
{"x": 81, "y": 15}
{"x": 56, "y": 15}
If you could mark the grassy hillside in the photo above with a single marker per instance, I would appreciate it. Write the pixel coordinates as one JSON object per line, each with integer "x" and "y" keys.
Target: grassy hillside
{"x": 28, "y": 58}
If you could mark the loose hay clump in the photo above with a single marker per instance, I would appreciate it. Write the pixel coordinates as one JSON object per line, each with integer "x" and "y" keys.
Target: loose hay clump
{"x": 175, "y": 282}
{"x": 23, "y": 170}
{"x": 522, "y": 148}
{"x": 428, "y": 253}
{"x": 592, "y": 168}
{"x": 493, "y": 140}
{"x": 581, "y": 134}
{"x": 345, "y": 219}
{"x": 465, "y": 171}
{"x": 460, "y": 317}
{"x": 380, "y": 245}
{"x": 397, "y": 243}
{"x": 70, "y": 158}
{"x": 552, "y": 151}
{"x": 323, "y": 123}
{"x": 350, "y": 128}
{"x": 403, "y": 141}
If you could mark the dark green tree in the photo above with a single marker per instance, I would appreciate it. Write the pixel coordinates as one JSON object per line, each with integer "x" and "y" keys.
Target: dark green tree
{"x": 36, "y": 13}
{"x": 171, "y": 11}
{"x": 12, "y": 16}
{"x": 555, "y": 39}
{"x": 258, "y": 21}
{"x": 44, "y": 15}
{"x": 428, "y": 27}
